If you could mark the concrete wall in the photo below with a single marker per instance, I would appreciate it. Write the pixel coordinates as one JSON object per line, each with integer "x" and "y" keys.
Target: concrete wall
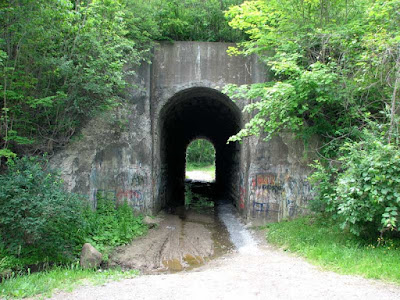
{"x": 111, "y": 156}
{"x": 119, "y": 154}
{"x": 276, "y": 186}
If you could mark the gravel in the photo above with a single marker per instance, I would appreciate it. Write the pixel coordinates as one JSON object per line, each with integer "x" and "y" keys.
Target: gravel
{"x": 255, "y": 270}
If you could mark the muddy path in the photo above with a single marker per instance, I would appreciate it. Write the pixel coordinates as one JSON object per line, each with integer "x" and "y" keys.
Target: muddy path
{"x": 185, "y": 237}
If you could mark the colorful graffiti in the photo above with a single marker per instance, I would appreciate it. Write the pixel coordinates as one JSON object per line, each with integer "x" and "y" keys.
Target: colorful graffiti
{"x": 265, "y": 193}
{"x": 119, "y": 185}
{"x": 242, "y": 192}
{"x": 274, "y": 195}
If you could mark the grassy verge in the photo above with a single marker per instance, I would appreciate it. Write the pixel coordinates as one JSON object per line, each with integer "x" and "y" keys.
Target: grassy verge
{"x": 203, "y": 168}
{"x": 60, "y": 279}
{"x": 209, "y": 169}
{"x": 323, "y": 243}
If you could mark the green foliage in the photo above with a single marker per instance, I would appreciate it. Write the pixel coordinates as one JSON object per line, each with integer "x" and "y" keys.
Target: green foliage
{"x": 193, "y": 20}
{"x": 365, "y": 194}
{"x": 109, "y": 226}
{"x": 40, "y": 223}
{"x": 335, "y": 70}
{"x": 38, "y": 219}
{"x": 200, "y": 152}
{"x": 188, "y": 196}
{"x": 60, "y": 279}
{"x": 323, "y": 242}
{"x": 62, "y": 62}
{"x": 333, "y": 65}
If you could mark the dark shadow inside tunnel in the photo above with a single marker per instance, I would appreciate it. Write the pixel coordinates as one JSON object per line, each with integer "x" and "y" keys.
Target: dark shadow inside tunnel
{"x": 190, "y": 114}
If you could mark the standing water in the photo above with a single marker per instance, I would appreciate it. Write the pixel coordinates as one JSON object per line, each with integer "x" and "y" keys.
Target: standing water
{"x": 238, "y": 234}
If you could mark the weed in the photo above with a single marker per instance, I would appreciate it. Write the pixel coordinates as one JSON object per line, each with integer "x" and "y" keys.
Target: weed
{"x": 323, "y": 243}
{"x": 58, "y": 278}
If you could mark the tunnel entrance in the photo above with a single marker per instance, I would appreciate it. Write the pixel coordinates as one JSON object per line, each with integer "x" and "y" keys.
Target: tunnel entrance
{"x": 199, "y": 113}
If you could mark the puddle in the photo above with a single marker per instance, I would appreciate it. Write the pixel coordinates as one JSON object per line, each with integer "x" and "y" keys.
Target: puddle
{"x": 200, "y": 210}
{"x": 186, "y": 238}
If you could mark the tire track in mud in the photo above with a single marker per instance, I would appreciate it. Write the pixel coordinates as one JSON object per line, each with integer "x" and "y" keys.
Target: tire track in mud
{"x": 182, "y": 241}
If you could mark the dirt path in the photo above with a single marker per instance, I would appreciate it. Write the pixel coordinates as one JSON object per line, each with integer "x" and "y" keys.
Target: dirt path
{"x": 200, "y": 176}
{"x": 254, "y": 271}
{"x": 183, "y": 240}
{"x": 265, "y": 274}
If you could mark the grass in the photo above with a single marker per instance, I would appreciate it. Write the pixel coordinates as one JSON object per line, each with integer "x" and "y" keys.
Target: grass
{"x": 323, "y": 243}
{"x": 209, "y": 169}
{"x": 58, "y": 278}
{"x": 203, "y": 168}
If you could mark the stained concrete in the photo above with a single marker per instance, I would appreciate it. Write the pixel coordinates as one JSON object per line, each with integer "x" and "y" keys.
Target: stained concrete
{"x": 137, "y": 151}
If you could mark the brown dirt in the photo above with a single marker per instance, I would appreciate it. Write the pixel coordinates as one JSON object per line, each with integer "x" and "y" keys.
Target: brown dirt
{"x": 182, "y": 240}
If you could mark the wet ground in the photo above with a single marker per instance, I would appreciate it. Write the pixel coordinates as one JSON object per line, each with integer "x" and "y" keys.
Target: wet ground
{"x": 187, "y": 236}
{"x": 245, "y": 266}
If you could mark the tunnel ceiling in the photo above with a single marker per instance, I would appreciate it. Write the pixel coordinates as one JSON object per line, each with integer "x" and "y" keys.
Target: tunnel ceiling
{"x": 200, "y": 113}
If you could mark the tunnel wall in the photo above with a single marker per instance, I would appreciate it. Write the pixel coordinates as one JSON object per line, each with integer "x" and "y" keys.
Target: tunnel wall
{"x": 276, "y": 186}
{"x": 112, "y": 155}
{"x": 119, "y": 154}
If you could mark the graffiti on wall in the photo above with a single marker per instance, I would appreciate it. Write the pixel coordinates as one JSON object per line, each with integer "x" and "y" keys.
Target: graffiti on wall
{"x": 271, "y": 194}
{"x": 297, "y": 194}
{"x": 265, "y": 193}
{"x": 242, "y": 192}
{"x": 128, "y": 185}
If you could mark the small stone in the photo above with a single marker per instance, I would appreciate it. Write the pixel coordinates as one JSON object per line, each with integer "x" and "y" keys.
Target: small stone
{"x": 7, "y": 273}
{"x": 90, "y": 257}
{"x": 150, "y": 222}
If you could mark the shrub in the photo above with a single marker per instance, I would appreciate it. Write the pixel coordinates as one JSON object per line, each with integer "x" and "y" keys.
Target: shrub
{"x": 37, "y": 217}
{"x": 109, "y": 226}
{"x": 366, "y": 193}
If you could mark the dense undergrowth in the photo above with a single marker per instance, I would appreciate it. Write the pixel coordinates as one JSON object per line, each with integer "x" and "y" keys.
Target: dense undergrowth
{"x": 323, "y": 242}
{"x": 335, "y": 76}
{"x": 41, "y": 225}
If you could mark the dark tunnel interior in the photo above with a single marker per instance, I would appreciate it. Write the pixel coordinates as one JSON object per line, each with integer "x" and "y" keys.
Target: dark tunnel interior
{"x": 199, "y": 113}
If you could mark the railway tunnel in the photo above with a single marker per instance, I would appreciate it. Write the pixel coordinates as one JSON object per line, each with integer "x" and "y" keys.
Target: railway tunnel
{"x": 199, "y": 113}
{"x": 136, "y": 152}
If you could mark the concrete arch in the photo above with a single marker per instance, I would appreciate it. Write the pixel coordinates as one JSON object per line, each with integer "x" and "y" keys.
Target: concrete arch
{"x": 189, "y": 114}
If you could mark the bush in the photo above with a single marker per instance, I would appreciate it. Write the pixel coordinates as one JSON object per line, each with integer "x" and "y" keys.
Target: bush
{"x": 109, "y": 226}
{"x": 37, "y": 217}
{"x": 366, "y": 193}
{"x": 42, "y": 223}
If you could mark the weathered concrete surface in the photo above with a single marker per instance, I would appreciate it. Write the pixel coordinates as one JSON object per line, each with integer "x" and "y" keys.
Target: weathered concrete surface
{"x": 277, "y": 185}
{"x": 187, "y": 78}
{"x": 112, "y": 155}
{"x": 136, "y": 153}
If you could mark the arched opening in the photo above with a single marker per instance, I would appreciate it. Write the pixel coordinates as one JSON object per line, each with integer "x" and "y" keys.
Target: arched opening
{"x": 200, "y": 161}
{"x": 191, "y": 114}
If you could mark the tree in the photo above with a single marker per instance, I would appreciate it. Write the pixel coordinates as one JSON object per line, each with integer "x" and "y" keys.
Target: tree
{"x": 335, "y": 67}
{"x": 200, "y": 152}
{"x": 62, "y": 62}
